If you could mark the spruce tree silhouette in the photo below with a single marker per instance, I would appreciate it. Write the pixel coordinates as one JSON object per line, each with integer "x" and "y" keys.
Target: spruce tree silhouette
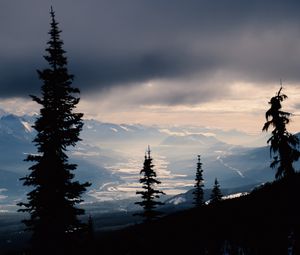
{"x": 216, "y": 194}
{"x": 90, "y": 237}
{"x": 149, "y": 194}
{"x": 90, "y": 229}
{"x": 51, "y": 204}
{"x": 198, "y": 192}
{"x": 283, "y": 144}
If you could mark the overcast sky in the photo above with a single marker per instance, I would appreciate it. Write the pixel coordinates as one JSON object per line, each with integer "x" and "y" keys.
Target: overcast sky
{"x": 195, "y": 62}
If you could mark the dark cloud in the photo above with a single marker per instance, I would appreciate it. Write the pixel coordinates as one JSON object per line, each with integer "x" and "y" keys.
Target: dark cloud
{"x": 119, "y": 42}
{"x": 122, "y": 70}
{"x": 18, "y": 77}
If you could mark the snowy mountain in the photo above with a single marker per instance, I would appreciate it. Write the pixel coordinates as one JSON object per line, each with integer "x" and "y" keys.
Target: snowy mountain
{"x": 2, "y": 112}
{"x": 190, "y": 140}
{"x": 111, "y": 156}
{"x": 16, "y": 135}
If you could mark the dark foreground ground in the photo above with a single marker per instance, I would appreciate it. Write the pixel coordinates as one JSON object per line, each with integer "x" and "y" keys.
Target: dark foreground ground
{"x": 267, "y": 221}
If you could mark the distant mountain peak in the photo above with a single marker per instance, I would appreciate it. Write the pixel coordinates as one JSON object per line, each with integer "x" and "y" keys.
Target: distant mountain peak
{"x": 190, "y": 139}
{"x": 2, "y": 112}
{"x": 16, "y": 126}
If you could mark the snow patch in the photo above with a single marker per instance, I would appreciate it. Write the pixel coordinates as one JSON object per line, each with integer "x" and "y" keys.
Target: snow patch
{"x": 27, "y": 126}
{"x": 219, "y": 158}
{"x": 125, "y": 128}
{"x": 208, "y": 134}
{"x": 177, "y": 200}
{"x": 169, "y": 132}
{"x": 235, "y": 195}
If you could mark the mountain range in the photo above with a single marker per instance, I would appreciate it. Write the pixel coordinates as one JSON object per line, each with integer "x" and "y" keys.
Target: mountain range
{"x": 110, "y": 156}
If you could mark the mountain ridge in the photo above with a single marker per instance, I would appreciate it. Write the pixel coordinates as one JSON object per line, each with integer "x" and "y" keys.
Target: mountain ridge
{"x": 108, "y": 149}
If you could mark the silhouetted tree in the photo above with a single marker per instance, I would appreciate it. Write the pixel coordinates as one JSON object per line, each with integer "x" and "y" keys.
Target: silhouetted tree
{"x": 51, "y": 204}
{"x": 216, "y": 194}
{"x": 90, "y": 228}
{"x": 149, "y": 194}
{"x": 283, "y": 144}
{"x": 198, "y": 192}
{"x": 90, "y": 238}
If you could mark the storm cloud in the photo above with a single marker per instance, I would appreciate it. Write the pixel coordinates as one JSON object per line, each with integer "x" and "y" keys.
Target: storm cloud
{"x": 113, "y": 44}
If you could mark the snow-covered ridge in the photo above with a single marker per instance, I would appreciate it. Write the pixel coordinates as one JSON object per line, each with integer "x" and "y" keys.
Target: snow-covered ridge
{"x": 27, "y": 126}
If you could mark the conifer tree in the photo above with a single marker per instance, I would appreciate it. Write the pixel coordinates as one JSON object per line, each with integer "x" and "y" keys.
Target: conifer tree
{"x": 90, "y": 228}
{"x": 198, "y": 192}
{"x": 216, "y": 194}
{"x": 90, "y": 237}
{"x": 150, "y": 193}
{"x": 52, "y": 203}
{"x": 283, "y": 145}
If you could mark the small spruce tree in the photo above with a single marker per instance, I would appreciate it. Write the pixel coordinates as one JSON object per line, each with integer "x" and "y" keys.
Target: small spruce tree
{"x": 90, "y": 228}
{"x": 150, "y": 193}
{"x": 198, "y": 192}
{"x": 216, "y": 194}
{"x": 51, "y": 204}
{"x": 283, "y": 145}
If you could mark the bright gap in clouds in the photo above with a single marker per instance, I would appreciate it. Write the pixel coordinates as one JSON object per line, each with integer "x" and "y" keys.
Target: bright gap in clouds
{"x": 241, "y": 107}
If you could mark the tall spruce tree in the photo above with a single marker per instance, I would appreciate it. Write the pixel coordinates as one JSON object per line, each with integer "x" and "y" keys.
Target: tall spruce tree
{"x": 216, "y": 194}
{"x": 198, "y": 192}
{"x": 149, "y": 194}
{"x": 52, "y": 202}
{"x": 283, "y": 145}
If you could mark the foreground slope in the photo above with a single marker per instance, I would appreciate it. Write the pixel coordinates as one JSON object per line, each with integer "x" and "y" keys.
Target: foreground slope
{"x": 264, "y": 222}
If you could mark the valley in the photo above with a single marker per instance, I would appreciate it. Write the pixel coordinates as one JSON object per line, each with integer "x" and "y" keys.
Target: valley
{"x": 110, "y": 156}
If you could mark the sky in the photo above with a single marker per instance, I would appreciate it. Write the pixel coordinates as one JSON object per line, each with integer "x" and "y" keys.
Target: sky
{"x": 195, "y": 62}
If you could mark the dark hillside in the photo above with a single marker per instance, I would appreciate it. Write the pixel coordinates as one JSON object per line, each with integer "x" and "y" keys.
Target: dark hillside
{"x": 264, "y": 222}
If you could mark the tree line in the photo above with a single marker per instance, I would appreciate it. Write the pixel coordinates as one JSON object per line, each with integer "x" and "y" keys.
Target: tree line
{"x": 150, "y": 193}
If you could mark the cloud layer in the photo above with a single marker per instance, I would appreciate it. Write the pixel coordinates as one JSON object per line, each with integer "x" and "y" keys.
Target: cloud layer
{"x": 192, "y": 50}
